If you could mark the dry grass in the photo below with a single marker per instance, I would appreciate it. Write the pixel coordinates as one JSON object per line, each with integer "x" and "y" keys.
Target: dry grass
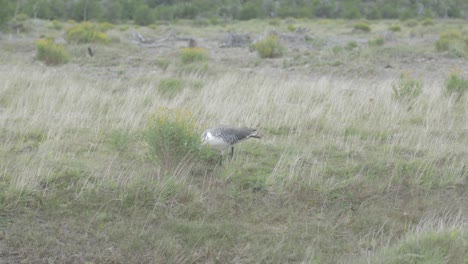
{"x": 343, "y": 172}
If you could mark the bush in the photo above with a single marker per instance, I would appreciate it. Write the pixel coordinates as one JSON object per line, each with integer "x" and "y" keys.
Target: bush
{"x": 428, "y": 22}
{"x": 407, "y": 89}
{"x": 394, "y": 28}
{"x": 51, "y": 53}
{"x": 56, "y": 25}
{"x": 456, "y": 84}
{"x": 269, "y": 47}
{"x": 376, "y": 42}
{"x": 171, "y": 137}
{"x": 453, "y": 42}
{"x": 351, "y": 45}
{"x": 170, "y": 86}
{"x": 364, "y": 27}
{"x": 194, "y": 54}
{"x": 87, "y": 32}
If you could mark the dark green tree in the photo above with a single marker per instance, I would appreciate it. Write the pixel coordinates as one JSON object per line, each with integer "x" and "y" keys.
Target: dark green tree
{"x": 250, "y": 10}
{"x": 6, "y": 12}
{"x": 143, "y": 15}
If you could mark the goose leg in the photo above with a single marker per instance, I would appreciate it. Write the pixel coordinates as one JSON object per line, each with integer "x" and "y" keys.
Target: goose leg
{"x": 232, "y": 152}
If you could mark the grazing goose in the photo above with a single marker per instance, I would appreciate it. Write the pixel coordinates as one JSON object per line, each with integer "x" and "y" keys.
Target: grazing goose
{"x": 223, "y": 137}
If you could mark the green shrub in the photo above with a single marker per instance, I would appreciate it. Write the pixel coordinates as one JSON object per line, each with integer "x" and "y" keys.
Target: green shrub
{"x": 377, "y": 42}
{"x": 171, "y": 137}
{"x": 453, "y": 42}
{"x": 394, "y": 28}
{"x": 274, "y": 22}
{"x": 194, "y": 54}
{"x": 170, "y": 86}
{"x": 407, "y": 89}
{"x": 269, "y": 47}
{"x": 21, "y": 17}
{"x": 428, "y": 22}
{"x": 87, "y": 32}
{"x": 162, "y": 63}
{"x": 351, "y": 45}
{"x": 456, "y": 84}
{"x": 337, "y": 49}
{"x": 291, "y": 27}
{"x": 51, "y": 53}
{"x": 364, "y": 27}
{"x": 56, "y": 25}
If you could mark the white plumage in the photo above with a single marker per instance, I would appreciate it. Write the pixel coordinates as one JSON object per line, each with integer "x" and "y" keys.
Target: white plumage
{"x": 223, "y": 137}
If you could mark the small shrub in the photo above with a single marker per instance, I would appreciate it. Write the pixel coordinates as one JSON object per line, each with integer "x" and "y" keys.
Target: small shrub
{"x": 269, "y": 47}
{"x": 87, "y": 32}
{"x": 170, "y": 86}
{"x": 428, "y": 22}
{"x": 456, "y": 84}
{"x": 337, "y": 49}
{"x": 291, "y": 27}
{"x": 377, "y": 42}
{"x": 274, "y": 22}
{"x": 56, "y": 25}
{"x": 51, "y": 53}
{"x": 364, "y": 27}
{"x": 394, "y": 28}
{"x": 163, "y": 63}
{"x": 171, "y": 137}
{"x": 351, "y": 45}
{"x": 407, "y": 89}
{"x": 193, "y": 54}
{"x": 21, "y": 17}
{"x": 453, "y": 42}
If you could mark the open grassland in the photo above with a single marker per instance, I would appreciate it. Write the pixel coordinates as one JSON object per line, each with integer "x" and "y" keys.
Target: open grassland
{"x": 346, "y": 171}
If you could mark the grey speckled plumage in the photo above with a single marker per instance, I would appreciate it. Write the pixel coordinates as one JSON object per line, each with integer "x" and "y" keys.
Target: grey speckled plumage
{"x": 223, "y": 137}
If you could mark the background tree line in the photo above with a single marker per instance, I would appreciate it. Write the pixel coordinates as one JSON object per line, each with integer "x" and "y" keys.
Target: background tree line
{"x": 146, "y": 12}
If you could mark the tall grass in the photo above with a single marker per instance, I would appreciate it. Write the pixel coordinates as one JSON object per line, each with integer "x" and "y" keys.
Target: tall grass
{"x": 331, "y": 148}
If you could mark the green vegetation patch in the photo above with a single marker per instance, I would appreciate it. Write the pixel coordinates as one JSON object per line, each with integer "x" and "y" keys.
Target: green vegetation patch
{"x": 363, "y": 27}
{"x": 394, "y": 28}
{"x": 454, "y": 42}
{"x": 455, "y": 83}
{"x": 195, "y": 54}
{"x": 51, "y": 53}
{"x": 87, "y": 32}
{"x": 407, "y": 88}
{"x": 377, "y": 41}
{"x": 269, "y": 47}
{"x": 171, "y": 137}
{"x": 441, "y": 247}
{"x": 171, "y": 86}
